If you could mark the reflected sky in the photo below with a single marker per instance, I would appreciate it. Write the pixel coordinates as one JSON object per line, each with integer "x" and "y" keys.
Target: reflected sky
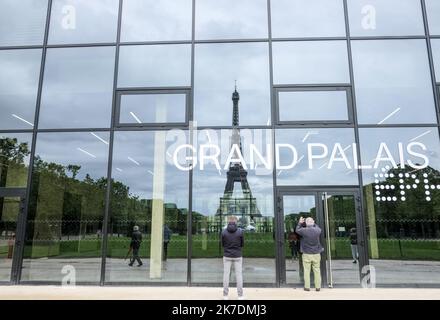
{"x": 313, "y": 105}
{"x": 392, "y": 17}
{"x": 22, "y": 22}
{"x": 393, "y": 82}
{"x": 370, "y": 140}
{"x": 20, "y": 72}
{"x": 86, "y": 149}
{"x": 134, "y": 158}
{"x": 436, "y": 54}
{"x": 153, "y": 108}
{"x": 433, "y": 12}
{"x": 83, "y": 21}
{"x": 152, "y": 20}
{"x": 77, "y": 88}
{"x": 217, "y": 67}
{"x": 307, "y": 18}
{"x": 298, "y": 204}
{"x": 310, "y": 62}
{"x": 301, "y": 174}
{"x": 155, "y": 66}
{"x": 231, "y": 19}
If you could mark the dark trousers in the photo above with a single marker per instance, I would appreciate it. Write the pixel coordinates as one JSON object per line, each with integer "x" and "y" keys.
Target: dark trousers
{"x": 135, "y": 256}
{"x": 294, "y": 251}
{"x": 165, "y": 251}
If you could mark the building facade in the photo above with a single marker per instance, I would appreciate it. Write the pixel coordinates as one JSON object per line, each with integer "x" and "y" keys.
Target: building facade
{"x": 171, "y": 115}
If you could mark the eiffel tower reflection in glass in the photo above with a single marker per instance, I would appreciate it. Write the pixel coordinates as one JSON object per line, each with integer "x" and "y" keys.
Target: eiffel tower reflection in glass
{"x": 244, "y": 206}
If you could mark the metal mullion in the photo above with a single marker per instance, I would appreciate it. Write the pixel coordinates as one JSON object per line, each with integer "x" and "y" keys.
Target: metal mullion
{"x": 16, "y": 131}
{"x": 361, "y": 221}
{"x": 140, "y": 90}
{"x": 231, "y": 40}
{"x": 152, "y": 43}
{"x": 309, "y": 39}
{"x": 105, "y": 221}
{"x": 80, "y": 45}
{"x": 431, "y": 60}
{"x": 388, "y": 37}
{"x": 277, "y": 221}
{"x": 190, "y": 115}
{"x": 17, "y": 262}
{"x": 298, "y": 87}
{"x": 415, "y": 125}
{"x": 65, "y": 130}
{"x": 21, "y": 47}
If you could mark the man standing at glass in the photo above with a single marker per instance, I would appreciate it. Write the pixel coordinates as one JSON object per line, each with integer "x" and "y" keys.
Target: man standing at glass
{"x": 135, "y": 244}
{"x": 311, "y": 249}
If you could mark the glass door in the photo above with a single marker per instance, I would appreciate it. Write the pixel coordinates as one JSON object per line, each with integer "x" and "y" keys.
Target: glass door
{"x": 342, "y": 242}
{"x": 336, "y": 213}
{"x": 11, "y": 207}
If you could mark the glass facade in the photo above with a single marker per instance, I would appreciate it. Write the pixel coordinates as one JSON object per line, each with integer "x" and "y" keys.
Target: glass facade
{"x": 169, "y": 116}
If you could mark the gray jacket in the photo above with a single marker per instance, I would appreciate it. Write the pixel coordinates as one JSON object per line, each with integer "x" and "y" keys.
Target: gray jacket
{"x": 232, "y": 241}
{"x": 309, "y": 243}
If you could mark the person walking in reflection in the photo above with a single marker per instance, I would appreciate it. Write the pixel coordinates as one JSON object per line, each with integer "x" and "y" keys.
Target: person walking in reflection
{"x": 135, "y": 244}
{"x": 232, "y": 242}
{"x": 353, "y": 244}
{"x": 311, "y": 251}
{"x": 166, "y": 240}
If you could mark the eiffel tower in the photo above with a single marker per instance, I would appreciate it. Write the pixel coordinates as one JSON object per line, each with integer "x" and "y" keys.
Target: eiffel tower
{"x": 244, "y": 207}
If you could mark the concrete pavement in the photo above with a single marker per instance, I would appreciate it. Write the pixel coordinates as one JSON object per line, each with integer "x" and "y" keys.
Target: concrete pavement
{"x": 202, "y": 293}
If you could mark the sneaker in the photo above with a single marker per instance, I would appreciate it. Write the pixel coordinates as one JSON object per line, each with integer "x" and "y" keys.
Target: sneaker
{"x": 306, "y": 289}
{"x": 130, "y": 265}
{"x": 225, "y": 298}
{"x": 318, "y": 289}
{"x": 139, "y": 265}
{"x": 354, "y": 261}
{"x": 241, "y": 298}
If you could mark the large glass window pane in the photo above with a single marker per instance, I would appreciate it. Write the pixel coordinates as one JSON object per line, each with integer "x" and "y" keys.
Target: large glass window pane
{"x": 435, "y": 43}
{"x": 148, "y": 191}
{"x": 393, "y": 82}
{"x": 20, "y": 72}
{"x": 77, "y": 88}
{"x": 323, "y": 157}
{"x": 402, "y": 194}
{"x": 153, "y": 108}
{"x": 15, "y": 149}
{"x": 231, "y": 19}
{"x": 83, "y": 21}
{"x": 155, "y": 66}
{"x": 151, "y": 20}
{"x": 22, "y": 22}
{"x": 385, "y": 18}
{"x": 217, "y": 68}
{"x": 313, "y": 105}
{"x": 307, "y": 18}
{"x": 245, "y": 191}
{"x": 310, "y": 62}
{"x": 67, "y": 202}
{"x": 433, "y": 11}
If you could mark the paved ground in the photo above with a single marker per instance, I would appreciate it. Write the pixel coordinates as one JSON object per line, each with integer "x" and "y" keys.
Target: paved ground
{"x": 198, "y": 293}
{"x": 210, "y": 271}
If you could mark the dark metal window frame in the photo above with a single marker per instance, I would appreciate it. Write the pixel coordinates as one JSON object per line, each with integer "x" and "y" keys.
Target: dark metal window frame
{"x": 314, "y": 88}
{"x": 154, "y": 91}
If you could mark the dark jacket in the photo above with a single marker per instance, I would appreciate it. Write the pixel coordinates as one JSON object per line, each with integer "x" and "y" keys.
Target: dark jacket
{"x": 232, "y": 241}
{"x": 136, "y": 239}
{"x": 353, "y": 237}
{"x": 309, "y": 243}
{"x": 167, "y": 234}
